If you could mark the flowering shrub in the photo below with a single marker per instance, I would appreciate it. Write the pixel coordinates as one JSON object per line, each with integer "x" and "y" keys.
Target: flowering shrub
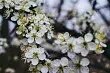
{"x": 35, "y": 28}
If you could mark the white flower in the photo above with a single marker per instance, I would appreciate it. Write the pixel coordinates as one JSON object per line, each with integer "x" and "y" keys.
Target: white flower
{"x": 35, "y": 54}
{"x": 80, "y": 65}
{"x": 33, "y": 37}
{"x": 100, "y": 39}
{"x": 66, "y": 42}
{"x": 61, "y": 39}
{"x": 59, "y": 65}
{"x": 84, "y": 45}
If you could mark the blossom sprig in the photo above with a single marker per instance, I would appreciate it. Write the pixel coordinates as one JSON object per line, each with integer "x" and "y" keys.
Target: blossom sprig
{"x": 34, "y": 28}
{"x": 73, "y": 64}
{"x": 84, "y": 45}
{"x": 18, "y": 4}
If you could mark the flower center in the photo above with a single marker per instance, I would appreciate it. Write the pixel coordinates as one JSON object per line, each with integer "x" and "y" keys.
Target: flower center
{"x": 70, "y": 46}
{"x": 61, "y": 68}
{"x": 84, "y": 44}
{"x": 34, "y": 35}
{"x": 35, "y": 54}
{"x": 37, "y": 28}
{"x": 78, "y": 66}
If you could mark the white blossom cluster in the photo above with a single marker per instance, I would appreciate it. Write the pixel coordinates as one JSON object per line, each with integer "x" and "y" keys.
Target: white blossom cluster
{"x": 34, "y": 28}
{"x": 18, "y": 4}
{"x": 73, "y": 64}
{"x": 88, "y": 43}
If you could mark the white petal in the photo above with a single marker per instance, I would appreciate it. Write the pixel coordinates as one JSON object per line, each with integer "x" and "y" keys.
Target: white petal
{"x": 44, "y": 69}
{"x": 99, "y": 51}
{"x": 67, "y": 70}
{"x": 30, "y": 40}
{"x": 71, "y": 55}
{"x": 18, "y": 32}
{"x": 84, "y": 52}
{"x": 80, "y": 40}
{"x": 71, "y": 41}
{"x": 53, "y": 70}
{"x": 39, "y": 40}
{"x": 92, "y": 46}
{"x": 33, "y": 31}
{"x": 64, "y": 48}
{"x": 76, "y": 60}
{"x": 40, "y": 50}
{"x": 96, "y": 41}
{"x": 14, "y": 18}
{"x": 57, "y": 41}
{"x": 28, "y": 54}
{"x": 84, "y": 62}
{"x": 88, "y": 37}
{"x": 64, "y": 61}
{"x": 28, "y": 35}
{"x": 66, "y": 35}
{"x": 56, "y": 63}
{"x": 103, "y": 44}
{"x": 17, "y": 7}
{"x": 78, "y": 48}
{"x": 50, "y": 35}
{"x": 42, "y": 56}
{"x": 35, "y": 61}
{"x": 84, "y": 70}
{"x": 19, "y": 22}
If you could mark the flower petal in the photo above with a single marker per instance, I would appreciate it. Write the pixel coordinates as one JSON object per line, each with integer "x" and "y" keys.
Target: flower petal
{"x": 56, "y": 63}
{"x": 40, "y": 50}
{"x": 78, "y": 48}
{"x": 84, "y": 70}
{"x": 71, "y": 55}
{"x": 64, "y": 61}
{"x": 39, "y": 40}
{"x": 64, "y": 48}
{"x": 28, "y": 54}
{"x": 80, "y": 40}
{"x": 92, "y": 46}
{"x": 88, "y": 37}
{"x": 103, "y": 44}
{"x": 35, "y": 61}
{"x": 84, "y": 52}
{"x": 42, "y": 56}
{"x": 84, "y": 62}
{"x": 44, "y": 69}
{"x": 66, "y": 35}
{"x": 30, "y": 40}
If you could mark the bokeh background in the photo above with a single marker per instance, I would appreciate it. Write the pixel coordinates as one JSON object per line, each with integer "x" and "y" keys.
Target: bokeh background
{"x": 62, "y": 12}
